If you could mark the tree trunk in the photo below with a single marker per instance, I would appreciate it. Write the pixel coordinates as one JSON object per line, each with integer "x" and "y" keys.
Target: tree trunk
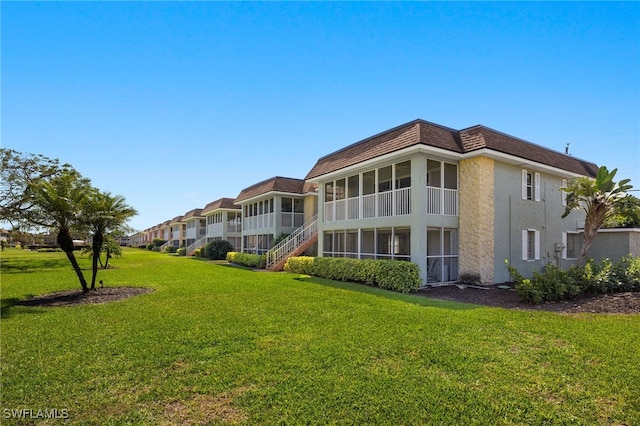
{"x": 96, "y": 246}
{"x": 65, "y": 241}
{"x": 593, "y": 222}
{"x": 108, "y": 255}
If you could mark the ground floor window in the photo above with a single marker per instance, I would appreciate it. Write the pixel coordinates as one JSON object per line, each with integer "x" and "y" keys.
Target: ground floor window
{"x": 442, "y": 255}
{"x": 377, "y": 243}
{"x": 258, "y": 244}
{"x": 570, "y": 243}
{"x": 530, "y": 244}
{"x": 235, "y": 242}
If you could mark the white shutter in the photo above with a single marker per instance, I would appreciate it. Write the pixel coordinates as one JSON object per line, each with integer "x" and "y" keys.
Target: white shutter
{"x": 524, "y": 184}
{"x": 564, "y": 194}
{"x": 564, "y": 245}
{"x": 524, "y": 244}
{"x": 537, "y": 244}
{"x": 537, "y": 183}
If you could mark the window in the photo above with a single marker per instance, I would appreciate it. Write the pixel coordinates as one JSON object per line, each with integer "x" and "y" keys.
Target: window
{"x": 384, "y": 179}
{"x": 403, "y": 175}
{"x": 353, "y": 186}
{"x": 562, "y": 193}
{"x": 570, "y": 243}
{"x": 530, "y": 185}
{"x": 287, "y": 205}
{"x": 530, "y": 244}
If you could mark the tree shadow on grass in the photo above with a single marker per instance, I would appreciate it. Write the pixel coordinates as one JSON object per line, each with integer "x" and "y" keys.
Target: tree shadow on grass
{"x": 388, "y": 294}
{"x": 8, "y": 307}
{"x": 33, "y": 265}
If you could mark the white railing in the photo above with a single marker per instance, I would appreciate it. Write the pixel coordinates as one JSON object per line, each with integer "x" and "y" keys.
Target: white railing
{"x": 234, "y": 227}
{"x": 191, "y": 248}
{"x": 442, "y": 201}
{"x": 381, "y": 204}
{"x": 287, "y": 246}
{"x": 292, "y": 220}
{"x": 259, "y": 222}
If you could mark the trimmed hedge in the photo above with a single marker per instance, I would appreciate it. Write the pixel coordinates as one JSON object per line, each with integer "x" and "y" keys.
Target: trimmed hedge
{"x": 251, "y": 260}
{"x": 393, "y": 275}
{"x": 554, "y": 284}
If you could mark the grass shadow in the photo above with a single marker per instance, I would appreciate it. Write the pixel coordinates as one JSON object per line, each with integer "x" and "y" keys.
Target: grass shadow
{"x": 8, "y": 306}
{"x": 33, "y": 265}
{"x": 388, "y": 294}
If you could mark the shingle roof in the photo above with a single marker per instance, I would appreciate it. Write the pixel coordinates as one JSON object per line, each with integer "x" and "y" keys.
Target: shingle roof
{"x": 478, "y": 137}
{"x": 420, "y": 132}
{"x": 274, "y": 184}
{"x": 221, "y": 203}
{"x": 192, "y": 214}
{"x": 176, "y": 219}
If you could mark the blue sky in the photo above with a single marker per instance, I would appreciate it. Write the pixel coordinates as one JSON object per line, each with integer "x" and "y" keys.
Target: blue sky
{"x": 176, "y": 104}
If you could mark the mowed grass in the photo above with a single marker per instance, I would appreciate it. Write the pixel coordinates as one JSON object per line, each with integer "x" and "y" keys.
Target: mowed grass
{"x": 215, "y": 344}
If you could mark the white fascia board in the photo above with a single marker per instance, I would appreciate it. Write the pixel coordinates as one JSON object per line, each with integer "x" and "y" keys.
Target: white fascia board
{"x": 268, "y": 195}
{"x": 519, "y": 161}
{"x": 443, "y": 154}
{"x": 214, "y": 211}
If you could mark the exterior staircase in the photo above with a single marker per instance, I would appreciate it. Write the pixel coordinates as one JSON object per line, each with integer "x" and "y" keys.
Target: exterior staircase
{"x": 296, "y": 243}
{"x": 191, "y": 248}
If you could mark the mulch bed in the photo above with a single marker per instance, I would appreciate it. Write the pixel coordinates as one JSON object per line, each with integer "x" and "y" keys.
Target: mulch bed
{"x": 504, "y": 296}
{"x": 77, "y": 297}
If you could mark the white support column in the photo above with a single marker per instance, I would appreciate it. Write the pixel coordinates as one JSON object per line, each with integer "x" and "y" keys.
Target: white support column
{"x": 419, "y": 214}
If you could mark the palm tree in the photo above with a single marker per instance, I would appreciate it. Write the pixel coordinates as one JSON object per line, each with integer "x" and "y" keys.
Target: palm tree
{"x": 57, "y": 205}
{"x": 598, "y": 198}
{"x": 102, "y": 213}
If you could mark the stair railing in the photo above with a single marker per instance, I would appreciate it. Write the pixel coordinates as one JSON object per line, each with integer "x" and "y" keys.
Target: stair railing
{"x": 294, "y": 240}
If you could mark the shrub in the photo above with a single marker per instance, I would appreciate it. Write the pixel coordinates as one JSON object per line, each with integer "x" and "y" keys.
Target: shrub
{"x": 554, "y": 284}
{"x": 388, "y": 274}
{"x": 217, "y": 250}
{"x": 170, "y": 249}
{"x": 258, "y": 261}
{"x": 182, "y": 251}
{"x": 196, "y": 253}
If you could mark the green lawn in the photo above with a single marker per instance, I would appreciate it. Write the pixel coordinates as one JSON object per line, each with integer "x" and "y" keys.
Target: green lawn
{"x": 215, "y": 344}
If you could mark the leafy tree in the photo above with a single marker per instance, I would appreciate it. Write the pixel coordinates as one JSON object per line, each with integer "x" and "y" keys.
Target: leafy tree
{"x": 598, "y": 198}
{"x": 626, "y": 213}
{"x": 56, "y": 204}
{"x": 103, "y": 213}
{"x": 18, "y": 173}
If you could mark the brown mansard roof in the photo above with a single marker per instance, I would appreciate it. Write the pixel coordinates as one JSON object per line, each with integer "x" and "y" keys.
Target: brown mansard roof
{"x": 420, "y": 132}
{"x": 192, "y": 213}
{"x": 274, "y": 184}
{"x": 221, "y": 203}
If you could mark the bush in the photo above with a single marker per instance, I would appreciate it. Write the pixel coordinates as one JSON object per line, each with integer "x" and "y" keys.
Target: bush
{"x": 258, "y": 261}
{"x": 388, "y": 274}
{"x": 217, "y": 250}
{"x": 554, "y": 284}
{"x": 196, "y": 252}
{"x": 170, "y": 249}
{"x": 182, "y": 251}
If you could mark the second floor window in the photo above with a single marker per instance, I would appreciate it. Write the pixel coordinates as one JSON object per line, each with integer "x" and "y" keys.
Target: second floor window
{"x": 530, "y": 185}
